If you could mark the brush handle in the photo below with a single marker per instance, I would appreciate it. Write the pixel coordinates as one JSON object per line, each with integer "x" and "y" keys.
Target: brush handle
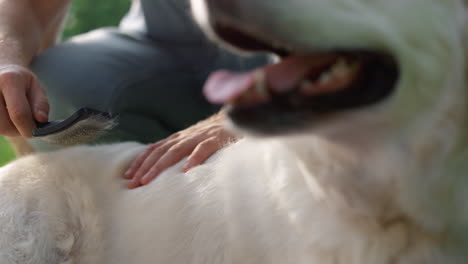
{"x": 57, "y": 126}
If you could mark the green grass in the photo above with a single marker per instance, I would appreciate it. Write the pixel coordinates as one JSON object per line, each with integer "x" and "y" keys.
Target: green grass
{"x": 6, "y": 152}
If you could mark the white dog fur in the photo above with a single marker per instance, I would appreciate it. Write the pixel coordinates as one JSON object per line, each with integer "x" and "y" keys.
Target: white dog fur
{"x": 385, "y": 184}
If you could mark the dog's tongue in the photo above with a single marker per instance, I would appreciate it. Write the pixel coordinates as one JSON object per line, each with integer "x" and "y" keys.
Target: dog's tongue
{"x": 225, "y": 86}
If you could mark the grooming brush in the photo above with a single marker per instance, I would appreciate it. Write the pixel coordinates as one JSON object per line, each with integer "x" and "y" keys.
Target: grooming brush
{"x": 81, "y": 127}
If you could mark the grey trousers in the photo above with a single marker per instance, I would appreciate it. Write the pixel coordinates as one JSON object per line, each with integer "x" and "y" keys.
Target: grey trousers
{"x": 154, "y": 87}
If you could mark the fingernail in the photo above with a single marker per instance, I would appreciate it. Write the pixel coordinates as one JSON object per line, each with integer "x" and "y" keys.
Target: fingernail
{"x": 148, "y": 177}
{"x": 145, "y": 179}
{"x": 133, "y": 184}
{"x": 42, "y": 115}
{"x": 128, "y": 173}
{"x": 187, "y": 166}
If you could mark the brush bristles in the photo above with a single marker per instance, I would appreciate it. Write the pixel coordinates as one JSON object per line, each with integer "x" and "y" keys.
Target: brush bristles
{"x": 82, "y": 132}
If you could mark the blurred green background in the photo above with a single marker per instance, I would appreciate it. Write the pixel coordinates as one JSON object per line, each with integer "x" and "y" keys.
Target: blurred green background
{"x": 84, "y": 16}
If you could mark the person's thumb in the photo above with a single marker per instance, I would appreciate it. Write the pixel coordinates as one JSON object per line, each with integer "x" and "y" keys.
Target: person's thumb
{"x": 38, "y": 102}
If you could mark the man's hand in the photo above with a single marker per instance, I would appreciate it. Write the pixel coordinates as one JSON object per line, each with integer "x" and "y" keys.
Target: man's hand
{"x": 22, "y": 100}
{"x": 197, "y": 142}
{"x": 26, "y": 28}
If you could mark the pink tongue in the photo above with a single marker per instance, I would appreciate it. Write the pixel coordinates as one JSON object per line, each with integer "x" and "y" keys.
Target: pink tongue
{"x": 224, "y": 86}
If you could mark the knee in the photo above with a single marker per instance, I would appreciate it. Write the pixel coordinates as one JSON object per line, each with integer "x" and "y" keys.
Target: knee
{"x": 76, "y": 74}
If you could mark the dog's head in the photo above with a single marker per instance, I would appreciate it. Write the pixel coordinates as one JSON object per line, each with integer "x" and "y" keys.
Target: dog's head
{"x": 382, "y": 81}
{"x": 394, "y": 59}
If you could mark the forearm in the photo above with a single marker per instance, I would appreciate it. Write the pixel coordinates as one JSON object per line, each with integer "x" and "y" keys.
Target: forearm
{"x": 54, "y": 32}
{"x": 26, "y": 27}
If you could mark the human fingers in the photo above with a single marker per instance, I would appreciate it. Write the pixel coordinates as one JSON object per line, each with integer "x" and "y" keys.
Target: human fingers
{"x": 175, "y": 154}
{"x": 38, "y": 101}
{"x": 147, "y": 162}
{"x": 140, "y": 159}
{"x": 7, "y": 128}
{"x": 202, "y": 152}
{"x": 13, "y": 86}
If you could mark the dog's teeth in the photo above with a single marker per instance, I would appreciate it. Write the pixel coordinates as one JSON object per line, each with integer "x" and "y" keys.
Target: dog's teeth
{"x": 341, "y": 68}
{"x": 261, "y": 89}
{"x": 325, "y": 77}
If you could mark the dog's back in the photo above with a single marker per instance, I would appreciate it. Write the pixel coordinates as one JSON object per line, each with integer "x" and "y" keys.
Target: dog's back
{"x": 253, "y": 203}
{"x": 48, "y": 207}
{"x": 71, "y": 207}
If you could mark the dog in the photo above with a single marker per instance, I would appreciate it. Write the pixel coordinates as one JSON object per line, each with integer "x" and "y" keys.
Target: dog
{"x": 354, "y": 152}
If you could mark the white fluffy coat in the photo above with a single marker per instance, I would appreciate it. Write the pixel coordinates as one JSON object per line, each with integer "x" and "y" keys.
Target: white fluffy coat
{"x": 384, "y": 184}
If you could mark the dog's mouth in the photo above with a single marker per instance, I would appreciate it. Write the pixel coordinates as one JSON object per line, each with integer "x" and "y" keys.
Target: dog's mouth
{"x": 282, "y": 96}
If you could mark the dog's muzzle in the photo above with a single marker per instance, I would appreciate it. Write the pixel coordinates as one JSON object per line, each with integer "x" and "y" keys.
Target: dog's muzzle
{"x": 284, "y": 96}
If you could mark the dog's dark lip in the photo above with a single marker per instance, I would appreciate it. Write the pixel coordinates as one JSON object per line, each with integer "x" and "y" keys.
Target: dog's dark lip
{"x": 245, "y": 41}
{"x": 292, "y": 111}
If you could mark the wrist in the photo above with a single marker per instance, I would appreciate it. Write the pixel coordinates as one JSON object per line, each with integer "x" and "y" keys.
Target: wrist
{"x": 11, "y": 54}
{"x": 18, "y": 46}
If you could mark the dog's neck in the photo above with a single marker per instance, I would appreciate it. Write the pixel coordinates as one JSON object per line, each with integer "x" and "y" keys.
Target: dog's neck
{"x": 361, "y": 170}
